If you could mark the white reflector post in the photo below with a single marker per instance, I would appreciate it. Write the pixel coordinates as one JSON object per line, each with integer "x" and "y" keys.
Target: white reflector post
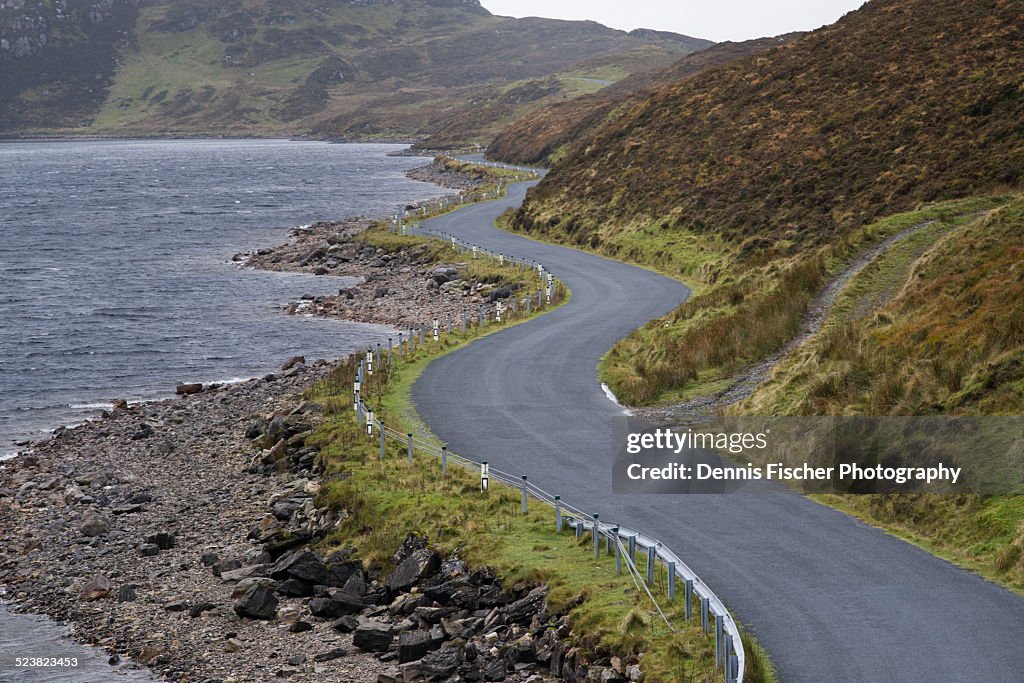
{"x": 485, "y": 470}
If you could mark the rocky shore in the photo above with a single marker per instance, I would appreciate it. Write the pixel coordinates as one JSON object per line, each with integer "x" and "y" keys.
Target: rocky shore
{"x": 401, "y": 288}
{"x": 185, "y": 535}
{"x": 179, "y": 534}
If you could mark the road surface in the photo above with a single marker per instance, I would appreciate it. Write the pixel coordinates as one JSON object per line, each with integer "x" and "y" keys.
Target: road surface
{"x": 829, "y": 597}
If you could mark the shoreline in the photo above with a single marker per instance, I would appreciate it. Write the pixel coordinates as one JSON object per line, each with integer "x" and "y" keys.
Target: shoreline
{"x": 428, "y": 173}
{"x": 82, "y": 508}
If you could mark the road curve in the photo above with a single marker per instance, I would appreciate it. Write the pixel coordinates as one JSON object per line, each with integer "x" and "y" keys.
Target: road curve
{"x": 831, "y": 598}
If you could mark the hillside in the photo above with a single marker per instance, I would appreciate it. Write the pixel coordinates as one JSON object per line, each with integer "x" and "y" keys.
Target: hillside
{"x": 539, "y": 136}
{"x": 754, "y": 181}
{"x": 336, "y": 68}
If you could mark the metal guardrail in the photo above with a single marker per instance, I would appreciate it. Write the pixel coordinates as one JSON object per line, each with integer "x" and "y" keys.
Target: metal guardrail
{"x": 728, "y": 644}
{"x": 729, "y": 651}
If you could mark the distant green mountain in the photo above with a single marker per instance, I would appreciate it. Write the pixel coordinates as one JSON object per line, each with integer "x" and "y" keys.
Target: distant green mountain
{"x": 339, "y": 68}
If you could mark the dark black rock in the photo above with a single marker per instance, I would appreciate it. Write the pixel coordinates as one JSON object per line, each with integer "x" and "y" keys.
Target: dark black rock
{"x": 373, "y": 636}
{"x": 522, "y": 611}
{"x": 301, "y": 564}
{"x": 219, "y": 568}
{"x": 432, "y": 615}
{"x": 418, "y": 565}
{"x": 330, "y": 655}
{"x": 442, "y": 663}
{"x": 300, "y": 627}
{"x": 522, "y": 652}
{"x": 143, "y": 432}
{"x": 286, "y": 508}
{"x": 295, "y": 588}
{"x": 346, "y": 624}
{"x": 258, "y": 603}
{"x": 336, "y": 604}
{"x": 283, "y": 540}
{"x": 411, "y": 544}
{"x": 413, "y": 645}
{"x": 149, "y": 550}
{"x": 127, "y": 593}
{"x": 198, "y": 609}
{"x": 339, "y": 571}
{"x": 162, "y": 540}
{"x": 355, "y": 585}
{"x": 208, "y": 559}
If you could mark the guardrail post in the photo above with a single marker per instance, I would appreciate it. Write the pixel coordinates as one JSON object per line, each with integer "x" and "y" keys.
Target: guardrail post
{"x": 734, "y": 665}
{"x": 704, "y": 615}
{"x": 597, "y": 537}
{"x": 524, "y": 494}
{"x": 400, "y": 344}
{"x": 608, "y": 544}
{"x": 481, "y": 316}
{"x": 671, "y": 581}
{"x": 618, "y": 551}
{"x": 449, "y": 324}
{"x": 381, "y": 440}
{"x": 579, "y": 528}
{"x": 730, "y": 667}
{"x": 465, "y": 316}
{"x": 390, "y": 349}
{"x": 688, "y": 594}
{"x": 378, "y": 354}
{"x": 359, "y": 411}
{"x": 444, "y": 460}
{"x": 719, "y": 650}
{"x": 410, "y": 447}
{"x": 632, "y": 548}
{"x": 558, "y": 514}
{"x": 652, "y": 553}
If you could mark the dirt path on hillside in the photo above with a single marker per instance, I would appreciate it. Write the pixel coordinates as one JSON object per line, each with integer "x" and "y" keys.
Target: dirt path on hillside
{"x": 704, "y": 408}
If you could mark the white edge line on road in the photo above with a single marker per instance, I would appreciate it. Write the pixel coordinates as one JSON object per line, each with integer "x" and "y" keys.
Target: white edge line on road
{"x": 611, "y": 397}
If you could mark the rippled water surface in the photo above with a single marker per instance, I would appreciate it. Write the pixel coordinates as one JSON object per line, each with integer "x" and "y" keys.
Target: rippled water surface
{"x": 116, "y": 282}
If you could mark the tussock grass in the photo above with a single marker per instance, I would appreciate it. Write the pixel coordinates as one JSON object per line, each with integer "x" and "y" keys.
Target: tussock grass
{"x": 383, "y": 500}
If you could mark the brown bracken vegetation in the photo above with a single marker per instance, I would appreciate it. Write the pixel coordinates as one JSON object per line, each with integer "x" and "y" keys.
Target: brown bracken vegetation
{"x": 754, "y": 180}
{"x": 900, "y": 102}
{"x": 536, "y": 137}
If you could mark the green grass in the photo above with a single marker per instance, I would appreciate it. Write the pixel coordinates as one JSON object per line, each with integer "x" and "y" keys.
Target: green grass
{"x": 386, "y": 499}
{"x": 981, "y": 533}
{"x": 742, "y": 310}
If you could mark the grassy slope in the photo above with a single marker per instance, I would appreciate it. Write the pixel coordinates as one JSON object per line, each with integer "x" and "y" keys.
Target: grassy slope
{"x": 542, "y": 136}
{"x": 754, "y": 180}
{"x": 934, "y": 326}
{"x": 450, "y": 71}
{"x": 805, "y": 143}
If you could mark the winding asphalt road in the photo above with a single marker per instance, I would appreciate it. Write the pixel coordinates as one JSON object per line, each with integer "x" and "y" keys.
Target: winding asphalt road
{"x": 830, "y": 598}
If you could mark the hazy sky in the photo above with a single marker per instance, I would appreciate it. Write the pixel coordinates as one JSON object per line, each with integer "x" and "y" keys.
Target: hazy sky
{"x": 716, "y": 20}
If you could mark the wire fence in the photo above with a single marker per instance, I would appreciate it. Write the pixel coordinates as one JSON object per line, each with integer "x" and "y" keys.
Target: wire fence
{"x": 621, "y": 541}
{"x": 403, "y": 220}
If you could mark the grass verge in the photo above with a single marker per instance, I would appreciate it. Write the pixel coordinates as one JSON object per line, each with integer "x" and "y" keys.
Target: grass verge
{"x": 385, "y": 499}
